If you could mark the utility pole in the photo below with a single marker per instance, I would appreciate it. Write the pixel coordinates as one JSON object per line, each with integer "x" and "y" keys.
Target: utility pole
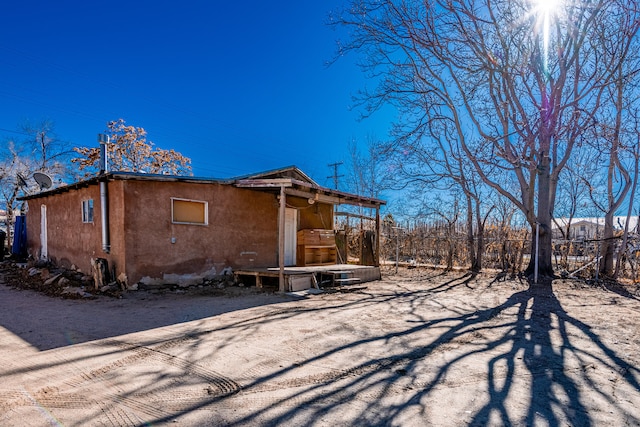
{"x": 335, "y": 175}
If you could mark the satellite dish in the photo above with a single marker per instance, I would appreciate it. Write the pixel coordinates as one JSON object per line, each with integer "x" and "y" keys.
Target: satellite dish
{"x": 43, "y": 180}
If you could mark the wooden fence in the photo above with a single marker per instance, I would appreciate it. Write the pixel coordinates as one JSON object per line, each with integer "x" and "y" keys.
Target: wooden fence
{"x": 506, "y": 249}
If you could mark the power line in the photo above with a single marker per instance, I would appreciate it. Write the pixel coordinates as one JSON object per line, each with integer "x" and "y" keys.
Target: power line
{"x": 335, "y": 175}
{"x": 14, "y": 131}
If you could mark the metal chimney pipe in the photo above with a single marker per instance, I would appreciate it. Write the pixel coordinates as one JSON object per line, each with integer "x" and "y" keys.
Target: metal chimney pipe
{"x": 104, "y": 161}
{"x": 104, "y": 194}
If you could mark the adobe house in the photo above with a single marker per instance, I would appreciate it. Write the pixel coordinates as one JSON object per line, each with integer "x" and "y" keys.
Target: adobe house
{"x": 173, "y": 229}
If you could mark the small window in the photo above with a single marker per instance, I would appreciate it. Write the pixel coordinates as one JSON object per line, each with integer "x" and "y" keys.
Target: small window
{"x": 189, "y": 212}
{"x": 87, "y": 210}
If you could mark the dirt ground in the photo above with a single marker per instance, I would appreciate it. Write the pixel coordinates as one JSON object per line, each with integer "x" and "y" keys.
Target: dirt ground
{"x": 418, "y": 348}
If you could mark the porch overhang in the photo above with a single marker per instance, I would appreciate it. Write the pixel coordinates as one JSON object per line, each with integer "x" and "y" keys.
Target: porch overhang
{"x": 297, "y": 188}
{"x": 286, "y": 186}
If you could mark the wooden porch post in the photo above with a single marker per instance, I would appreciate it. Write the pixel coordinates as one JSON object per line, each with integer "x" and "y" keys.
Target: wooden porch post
{"x": 281, "y": 224}
{"x": 377, "y": 236}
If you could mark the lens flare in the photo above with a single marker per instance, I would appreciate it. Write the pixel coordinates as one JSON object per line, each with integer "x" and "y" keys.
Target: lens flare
{"x": 545, "y": 12}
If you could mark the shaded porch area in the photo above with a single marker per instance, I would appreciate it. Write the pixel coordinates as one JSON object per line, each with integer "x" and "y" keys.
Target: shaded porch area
{"x": 308, "y": 254}
{"x": 301, "y": 278}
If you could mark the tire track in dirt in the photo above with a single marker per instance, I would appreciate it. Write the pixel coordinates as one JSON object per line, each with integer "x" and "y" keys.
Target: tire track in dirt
{"x": 289, "y": 401}
{"x": 255, "y": 395}
{"x": 262, "y": 368}
{"x": 214, "y": 385}
{"x": 121, "y": 407}
{"x": 143, "y": 354}
{"x": 392, "y": 366}
{"x": 51, "y": 398}
{"x": 316, "y": 379}
{"x": 119, "y": 417}
{"x": 12, "y": 399}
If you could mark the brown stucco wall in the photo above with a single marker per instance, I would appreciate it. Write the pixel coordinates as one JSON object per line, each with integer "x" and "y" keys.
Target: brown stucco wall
{"x": 242, "y": 229}
{"x": 241, "y": 233}
{"x": 69, "y": 240}
{"x": 117, "y": 257}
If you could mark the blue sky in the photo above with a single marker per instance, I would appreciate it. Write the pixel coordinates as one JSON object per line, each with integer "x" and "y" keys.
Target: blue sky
{"x": 238, "y": 87}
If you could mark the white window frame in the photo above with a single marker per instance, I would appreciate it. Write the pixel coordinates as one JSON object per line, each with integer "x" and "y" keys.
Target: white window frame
{"x": 87, "y": 211}
{"x": 206, "y": 211}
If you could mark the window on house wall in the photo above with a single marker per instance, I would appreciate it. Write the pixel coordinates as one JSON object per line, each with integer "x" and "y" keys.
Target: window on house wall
{"x": 184, "y": 211}
{"x": 87, "y": 210}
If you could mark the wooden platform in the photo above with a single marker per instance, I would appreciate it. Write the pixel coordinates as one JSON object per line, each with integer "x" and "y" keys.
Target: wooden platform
{"x": 300, "y": 278}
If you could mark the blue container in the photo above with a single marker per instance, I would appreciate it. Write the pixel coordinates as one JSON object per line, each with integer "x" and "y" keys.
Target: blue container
{"x": 19, "y": 248}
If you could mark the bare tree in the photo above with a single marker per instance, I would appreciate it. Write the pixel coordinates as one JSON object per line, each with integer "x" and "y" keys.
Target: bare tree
{"x": 37, "y": 150}
{"x": 50, "y": 153}
{"x": 636, "y": 173}
{"x": 447, "y": 214}
{"x": 14, "y": 173}
{"x": 503, "y": 217}
{"x": 619, "y": 140}
{"x": 365, "y": 175}
{"x": 441, "y": 166}
{"x": 517, "y": 84}
{"x": 572, "y": 198}
{"x": 130, "y": 151}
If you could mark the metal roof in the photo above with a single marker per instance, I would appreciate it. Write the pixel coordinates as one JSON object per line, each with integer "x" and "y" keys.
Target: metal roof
{"x": 295, "y": 182}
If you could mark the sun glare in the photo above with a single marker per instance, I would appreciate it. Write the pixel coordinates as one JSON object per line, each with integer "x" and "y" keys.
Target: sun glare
{"x": 545, "y": 12}
{"x": 546, "y": 6}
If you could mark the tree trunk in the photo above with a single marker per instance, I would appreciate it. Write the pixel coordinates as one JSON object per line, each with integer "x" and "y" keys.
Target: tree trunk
{"x": 545, "y": 266}
{"x": 608, "y": 246}
{"x": 480, "y": 237}
{"x": 11, "y": 216}
{"x": 450, "y": 249}
{"x": 620, "y": 263}
{"x": 543, "y": 236}
{"x": 10, "y": 222}
{"x": 480, "y": 248}
{"x": 473, "y": 255}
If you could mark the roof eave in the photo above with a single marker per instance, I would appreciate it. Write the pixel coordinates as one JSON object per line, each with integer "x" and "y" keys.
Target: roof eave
{"x": 306, "y": 190}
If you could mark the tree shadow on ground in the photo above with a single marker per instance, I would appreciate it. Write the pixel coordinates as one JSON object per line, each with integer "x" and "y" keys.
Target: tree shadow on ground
{"x": 532, "y": 336}
{"x": 535, "y": 365}
{"x": 623, "y": 291}
{"x": 47, "y": 323}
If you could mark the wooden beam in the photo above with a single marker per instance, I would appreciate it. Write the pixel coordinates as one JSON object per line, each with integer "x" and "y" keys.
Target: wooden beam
{"x": 352, "y": 215}
{"x": 326, "y": 198}
{"x": 317, "y": 196}
{"x": 377, "y": 259}
{"x": 264, "y": 183}
{"x": 281, "y": 225}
